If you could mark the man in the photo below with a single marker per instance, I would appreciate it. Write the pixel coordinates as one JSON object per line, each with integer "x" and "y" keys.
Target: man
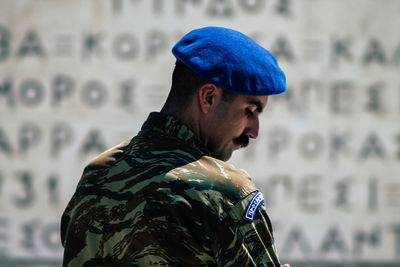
{"x": 167, "y": 197}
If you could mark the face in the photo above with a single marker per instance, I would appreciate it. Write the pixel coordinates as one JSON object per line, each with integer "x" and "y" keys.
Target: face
{"x": 231, "y": 124}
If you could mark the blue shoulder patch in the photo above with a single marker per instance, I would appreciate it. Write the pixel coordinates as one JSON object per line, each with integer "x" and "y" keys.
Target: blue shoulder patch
{"x": 255, "y": 202}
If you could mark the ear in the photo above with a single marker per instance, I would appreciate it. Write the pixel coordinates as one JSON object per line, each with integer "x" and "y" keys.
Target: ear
{"x": 207, "y": 96}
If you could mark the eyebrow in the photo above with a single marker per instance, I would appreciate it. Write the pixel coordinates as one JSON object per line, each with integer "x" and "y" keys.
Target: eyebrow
{"x": 256, "y": 103}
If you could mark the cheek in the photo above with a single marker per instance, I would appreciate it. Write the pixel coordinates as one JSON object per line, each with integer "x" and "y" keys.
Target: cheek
{"x": 235, "y": 129}
{"x": 239, "y": 122}
{"x": 230, "y": 125}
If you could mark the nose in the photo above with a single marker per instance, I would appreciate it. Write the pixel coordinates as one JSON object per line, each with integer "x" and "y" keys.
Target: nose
{"x": 253, "y": 127}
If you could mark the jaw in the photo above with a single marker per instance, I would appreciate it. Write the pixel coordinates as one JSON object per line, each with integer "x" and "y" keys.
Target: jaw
{"x": 222, "y": 154}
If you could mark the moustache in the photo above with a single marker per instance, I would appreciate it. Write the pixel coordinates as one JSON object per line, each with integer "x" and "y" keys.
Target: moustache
{"x": 242, "y": 140}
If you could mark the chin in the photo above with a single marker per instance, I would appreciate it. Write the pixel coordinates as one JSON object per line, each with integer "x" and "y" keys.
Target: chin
{"x": 224, "y": 157}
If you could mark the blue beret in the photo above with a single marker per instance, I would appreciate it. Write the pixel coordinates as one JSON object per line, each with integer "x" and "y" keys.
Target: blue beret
{"x": 231, "y": 60}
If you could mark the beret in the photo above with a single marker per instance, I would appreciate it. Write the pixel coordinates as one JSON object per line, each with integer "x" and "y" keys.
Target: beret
{"x": 231, "y": 60}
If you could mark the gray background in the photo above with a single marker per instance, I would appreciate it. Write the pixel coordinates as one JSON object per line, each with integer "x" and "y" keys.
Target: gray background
{"x": 77, "y": 77}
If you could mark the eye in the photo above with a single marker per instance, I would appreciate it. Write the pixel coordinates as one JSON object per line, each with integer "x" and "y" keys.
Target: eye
{"x": 248, "y": 112}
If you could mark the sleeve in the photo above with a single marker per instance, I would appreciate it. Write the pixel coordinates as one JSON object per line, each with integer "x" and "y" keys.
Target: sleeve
{"x": 251, "y": 242}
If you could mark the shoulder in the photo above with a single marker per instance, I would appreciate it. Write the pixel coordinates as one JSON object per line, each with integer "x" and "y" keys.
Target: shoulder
{"x": 110, "y": 156}
{"x": 208, "y": 173}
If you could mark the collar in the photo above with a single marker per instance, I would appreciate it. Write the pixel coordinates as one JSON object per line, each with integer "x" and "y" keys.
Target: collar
{"x": 168, "y": 125}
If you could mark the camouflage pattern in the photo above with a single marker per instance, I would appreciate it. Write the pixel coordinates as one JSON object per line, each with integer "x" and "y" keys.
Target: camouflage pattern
{"x": 159, "y": 199}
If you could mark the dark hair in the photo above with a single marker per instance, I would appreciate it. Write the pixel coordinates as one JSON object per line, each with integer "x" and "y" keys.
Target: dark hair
{"x": 228, "y": 96}
{"x": 185, "y": 84}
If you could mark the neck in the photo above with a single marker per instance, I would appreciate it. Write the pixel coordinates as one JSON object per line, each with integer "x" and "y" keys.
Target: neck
{"x": 189, "y": 118}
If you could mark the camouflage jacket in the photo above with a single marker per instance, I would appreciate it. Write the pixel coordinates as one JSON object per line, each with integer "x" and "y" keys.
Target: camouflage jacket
{"x": 159, "y": 199}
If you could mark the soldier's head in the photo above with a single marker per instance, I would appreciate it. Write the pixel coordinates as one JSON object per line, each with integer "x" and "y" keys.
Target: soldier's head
{"x": 220, "y": 85}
